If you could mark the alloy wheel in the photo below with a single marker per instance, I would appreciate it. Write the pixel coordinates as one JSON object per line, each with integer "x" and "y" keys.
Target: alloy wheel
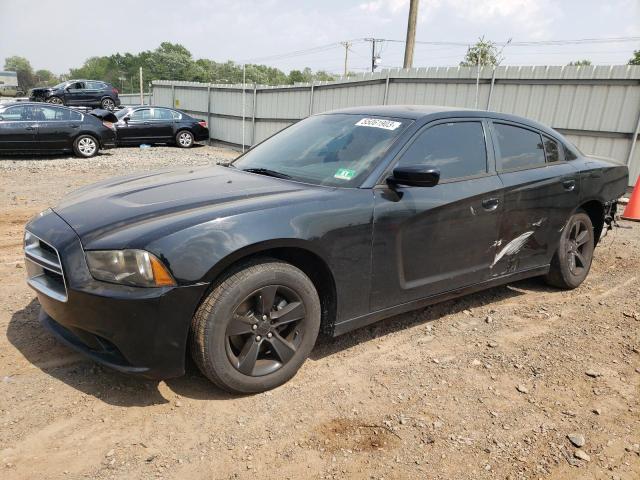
{"x": 87, "y": 146}
{"x": 265, "y": 330}
{"x": 108, "y": 104}
{"x": 55, "y": 101}
{"x": 185, "y": 139}
{"x": 578, "y": 255}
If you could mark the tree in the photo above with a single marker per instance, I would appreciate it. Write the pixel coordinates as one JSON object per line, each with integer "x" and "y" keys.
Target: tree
{"x": 484, "y": 52}
{"x": 45, "y": 77}
{"x": 580, "y": 63}
{"x": 22, "y": 67}
{"x": 636, "y": 58}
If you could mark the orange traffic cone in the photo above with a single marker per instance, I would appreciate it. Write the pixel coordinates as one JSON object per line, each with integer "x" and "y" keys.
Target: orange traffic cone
{"x": 632, "y": 212}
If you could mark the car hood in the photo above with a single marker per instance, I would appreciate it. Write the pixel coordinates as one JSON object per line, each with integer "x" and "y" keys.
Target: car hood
{"x": 165, "y": 200}
{"x": 41, "y": 90}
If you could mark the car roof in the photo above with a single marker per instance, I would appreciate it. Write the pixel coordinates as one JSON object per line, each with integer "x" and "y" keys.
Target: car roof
{"x": 434, "y": 112}
{"x": 37, "y": 104}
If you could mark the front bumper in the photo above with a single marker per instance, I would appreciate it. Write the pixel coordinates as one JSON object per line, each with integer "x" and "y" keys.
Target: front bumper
{"x": 141, "y": 331}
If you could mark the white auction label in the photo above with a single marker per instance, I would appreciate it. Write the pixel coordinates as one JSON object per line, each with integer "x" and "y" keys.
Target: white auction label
{"x": 378, "y": 123}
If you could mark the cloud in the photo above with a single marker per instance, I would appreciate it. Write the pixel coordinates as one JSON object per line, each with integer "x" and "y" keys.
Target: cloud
{"x": 390, "y": 6}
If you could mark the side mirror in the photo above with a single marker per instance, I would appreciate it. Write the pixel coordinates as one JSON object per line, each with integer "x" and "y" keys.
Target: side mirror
{"x": 415, "y": 176}
{"x": 126, "y": 119}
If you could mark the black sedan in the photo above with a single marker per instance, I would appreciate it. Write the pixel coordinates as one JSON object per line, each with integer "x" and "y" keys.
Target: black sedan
{"x": 336, "y": 222}
{"x": 78, "y": 93}
{"x": 149, "y": 125}
{"x": 37, "y": 128}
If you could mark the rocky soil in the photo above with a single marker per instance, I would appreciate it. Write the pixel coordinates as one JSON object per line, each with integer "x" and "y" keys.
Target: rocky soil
{"x": 520, "y": 381}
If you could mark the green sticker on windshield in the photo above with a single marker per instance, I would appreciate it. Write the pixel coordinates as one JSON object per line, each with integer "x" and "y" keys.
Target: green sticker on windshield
{"x": 344, "y": 174}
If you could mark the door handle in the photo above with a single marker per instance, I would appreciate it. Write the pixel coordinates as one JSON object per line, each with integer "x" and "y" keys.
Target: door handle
{"x": 75, "y": 126}
{"x": 29, "y": 128}
{"x": 569, "y": 184}
{"x": 147, "y": 123}
{"x": 490, "y": 204}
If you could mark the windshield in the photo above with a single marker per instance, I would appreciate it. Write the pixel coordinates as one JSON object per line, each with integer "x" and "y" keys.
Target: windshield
{"x": 335, "y": 149}
{"x": 60, "y": 85}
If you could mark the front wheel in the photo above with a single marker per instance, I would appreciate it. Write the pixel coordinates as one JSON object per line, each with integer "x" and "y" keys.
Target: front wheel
{"x": 85, "y": 146}
{"x": 572, "y": 261}
{"x": 55, "y": 100}
{"x": 184, "y": 139}
{"x": 257, "y": 327}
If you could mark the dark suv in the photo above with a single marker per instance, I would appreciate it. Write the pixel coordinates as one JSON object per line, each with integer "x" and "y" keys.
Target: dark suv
{"x": 85, "y": 93}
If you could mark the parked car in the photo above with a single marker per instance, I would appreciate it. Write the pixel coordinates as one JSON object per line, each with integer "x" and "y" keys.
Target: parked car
{"x": 144, "y": 124}
{"x": 36, "y": 128}
{"x": 84, "y": 93}
{"x": 336, "y": 222}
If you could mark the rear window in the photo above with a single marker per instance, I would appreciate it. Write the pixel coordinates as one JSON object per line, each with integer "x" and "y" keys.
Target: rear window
{"x": 52, "y": 113}
{"x": 518, "y": 147}
{"x": 551, "y": 149}
{"x": 457, "y": 149}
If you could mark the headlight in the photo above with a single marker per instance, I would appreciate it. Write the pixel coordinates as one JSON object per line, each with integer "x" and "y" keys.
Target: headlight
{"x": 129, "y": 267}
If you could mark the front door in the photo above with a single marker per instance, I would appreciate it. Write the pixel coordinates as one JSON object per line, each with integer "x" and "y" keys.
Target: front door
{"x": 75, "y": 94}
{"x": 18, "y": 128}
{"x": 431, "y": 240}
{"x": 137, "y": 129}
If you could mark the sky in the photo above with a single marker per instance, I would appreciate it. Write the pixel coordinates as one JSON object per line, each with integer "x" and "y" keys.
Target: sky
{"x": 62, "y": 34}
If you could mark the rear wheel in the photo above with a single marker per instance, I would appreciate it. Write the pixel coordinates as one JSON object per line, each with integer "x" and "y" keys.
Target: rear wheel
{"x": 85, "y": 146}
{"x": 257, "y": 327}
{"x": 184, "y": 139}
{"x": 572, "y": 261}
{"x": 55, "y": 100}
{"x": 108, "y": 104}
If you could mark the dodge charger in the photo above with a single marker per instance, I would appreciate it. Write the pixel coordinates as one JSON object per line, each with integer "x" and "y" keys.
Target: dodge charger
{"x": 336, "y": 222}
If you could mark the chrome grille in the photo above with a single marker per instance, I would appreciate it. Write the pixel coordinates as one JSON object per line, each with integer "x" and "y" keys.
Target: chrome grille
{"x": 44, "y": 268}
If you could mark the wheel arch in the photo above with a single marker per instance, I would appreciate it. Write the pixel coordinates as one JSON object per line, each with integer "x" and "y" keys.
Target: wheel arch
{"x": 595, "y": 210}
{"x": 295, "y": 252}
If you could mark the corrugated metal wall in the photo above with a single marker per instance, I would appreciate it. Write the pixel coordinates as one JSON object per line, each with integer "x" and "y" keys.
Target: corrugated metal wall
{"x": 597, "y": 108}
{"x": 134, "y": 98}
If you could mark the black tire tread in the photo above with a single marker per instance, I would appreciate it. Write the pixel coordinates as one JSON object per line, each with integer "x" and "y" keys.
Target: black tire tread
{"x": 199, "y": 333}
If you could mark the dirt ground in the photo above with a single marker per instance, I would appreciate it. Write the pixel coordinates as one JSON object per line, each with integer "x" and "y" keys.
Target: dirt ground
{"x": 487, "y": 386}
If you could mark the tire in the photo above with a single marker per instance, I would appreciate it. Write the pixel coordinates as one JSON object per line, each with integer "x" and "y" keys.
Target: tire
{"x": 236, "y": 347}
{"x": 108, "y": 104}
{"x": 184, "y": 139}
{"x": 571, "y": 263}
{"x": 55, "y": 100}
{"x": 86, "y": 146}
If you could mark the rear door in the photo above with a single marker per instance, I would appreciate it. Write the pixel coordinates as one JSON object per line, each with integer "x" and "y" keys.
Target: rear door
{"x": 93, "y": 92}
{"x": 162, "y": 124}
{"x": 57, "y": 127}
{"x": 18, "y": 128}
{"x": 430, "y": 240}
{"x": 540, "y": 192}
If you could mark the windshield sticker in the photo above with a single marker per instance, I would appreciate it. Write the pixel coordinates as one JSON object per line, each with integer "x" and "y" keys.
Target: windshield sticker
{"x": 344, "y": 174}
{"x": 378, "y": 123}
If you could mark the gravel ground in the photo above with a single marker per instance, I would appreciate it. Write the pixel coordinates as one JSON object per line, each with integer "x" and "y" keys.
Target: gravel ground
{"x": 520, "y": 381}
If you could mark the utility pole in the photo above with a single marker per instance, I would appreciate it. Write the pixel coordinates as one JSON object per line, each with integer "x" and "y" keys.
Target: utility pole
{"x": 346, "y": 46}
{"x": 411, "y": 33}
{"x": 141, "y": 90}
{"x": 374, "y": 58}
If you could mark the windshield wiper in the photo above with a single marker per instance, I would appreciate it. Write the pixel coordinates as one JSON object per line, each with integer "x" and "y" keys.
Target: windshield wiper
{"x": 266, "y": 171}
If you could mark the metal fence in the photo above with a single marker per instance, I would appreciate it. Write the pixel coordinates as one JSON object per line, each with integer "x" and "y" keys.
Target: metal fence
{"x": 127, "y": 99}
{"x": 595, "y": 107}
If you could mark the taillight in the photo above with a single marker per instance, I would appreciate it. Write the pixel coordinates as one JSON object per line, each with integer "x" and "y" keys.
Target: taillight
{"x": 108, "y": 125}
{"x": 203, "y": 123}
{"x": 115, "y": 90}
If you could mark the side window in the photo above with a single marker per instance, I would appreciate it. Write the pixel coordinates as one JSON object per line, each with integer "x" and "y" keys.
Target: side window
{"x": 93, "y": 86}
{"x": 142, "y": 114}
{"x": 45, "y": 113}
{"x": 551, "y": 149}
{"x": 162, "y": 114}
{"x": 176, "y": 115}
{"x": 457, "y": 149}
{"x": 76, "y": 86}
{"x": 18, "y": 113}
{"x": 519, "y": 147}
{"x": 568, "y": 154}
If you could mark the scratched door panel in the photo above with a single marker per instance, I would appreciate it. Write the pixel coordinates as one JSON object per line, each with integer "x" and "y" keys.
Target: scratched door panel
{"x": 537, "y": 205}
